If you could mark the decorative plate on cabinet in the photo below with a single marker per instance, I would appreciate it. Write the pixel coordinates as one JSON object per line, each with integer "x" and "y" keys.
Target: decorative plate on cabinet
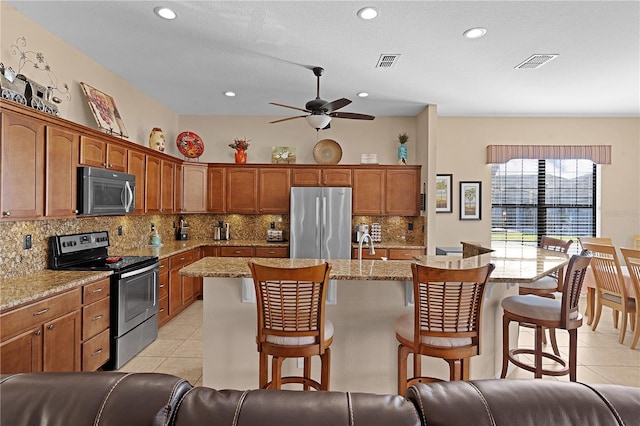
{"x": 190, "y": 145}
{"x": 327, "y": 151}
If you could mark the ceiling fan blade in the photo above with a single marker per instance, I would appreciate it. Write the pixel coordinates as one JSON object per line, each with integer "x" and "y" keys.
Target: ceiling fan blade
{"x": 336, "y": 105}
{"x": 289, "y": 106}
{"x": 352, "y": 115}
{"x": 286, "y": 119}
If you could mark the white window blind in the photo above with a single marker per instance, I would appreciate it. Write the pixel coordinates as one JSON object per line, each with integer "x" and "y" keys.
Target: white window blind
{"x": 531, "y": 198}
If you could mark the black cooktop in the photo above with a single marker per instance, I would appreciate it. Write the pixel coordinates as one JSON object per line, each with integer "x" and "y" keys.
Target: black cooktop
{"x": 117, "y": 264}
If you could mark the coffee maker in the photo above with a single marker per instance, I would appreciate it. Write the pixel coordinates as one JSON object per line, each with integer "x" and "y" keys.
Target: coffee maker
{"x": 221, "y": 232}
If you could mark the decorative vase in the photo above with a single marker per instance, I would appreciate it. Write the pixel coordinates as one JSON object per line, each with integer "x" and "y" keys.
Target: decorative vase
{"x": 241, "y": 156}
{"x": 156, "y": 139}
{"x": 402, "y": 154}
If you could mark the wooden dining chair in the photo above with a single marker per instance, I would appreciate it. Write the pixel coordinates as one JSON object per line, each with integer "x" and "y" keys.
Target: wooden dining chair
{"x": 546, "y": 313}
{"x": 291, "y": 322}
{"x": 590, "y": 291}
{"x": 610, "y": 288}
{"x": 445, "y": 322}
{"x": 548, "y": 285}
{"x": 605, "y": 241}
{"x": 632, "y": 260}
{"x": 636, "y": 242}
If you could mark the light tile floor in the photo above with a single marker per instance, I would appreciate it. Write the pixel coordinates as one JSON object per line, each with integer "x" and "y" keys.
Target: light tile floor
{"x": 601, "y": 359}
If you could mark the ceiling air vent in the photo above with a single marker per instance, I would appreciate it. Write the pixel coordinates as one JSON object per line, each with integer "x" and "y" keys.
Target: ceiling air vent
{"x": 387, "y": 60}
{"x": 536, "y": 61}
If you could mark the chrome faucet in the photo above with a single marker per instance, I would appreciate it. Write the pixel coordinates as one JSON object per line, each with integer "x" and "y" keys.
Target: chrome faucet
{"x": 372, "y": 250}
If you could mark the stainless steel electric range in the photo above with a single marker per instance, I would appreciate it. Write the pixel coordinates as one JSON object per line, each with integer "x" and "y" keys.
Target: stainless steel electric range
{"x": 134, "y": 289}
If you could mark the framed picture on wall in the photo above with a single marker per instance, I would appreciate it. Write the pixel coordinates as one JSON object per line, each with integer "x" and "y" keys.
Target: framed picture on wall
{"x": 444, "y": 193}
{"x": 471, "y": 200}
{"x": 104, "y": 110}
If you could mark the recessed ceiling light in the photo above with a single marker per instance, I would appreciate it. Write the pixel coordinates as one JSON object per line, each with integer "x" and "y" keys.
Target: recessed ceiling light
{"x": 165, "y": 13}
{"x": 368, "y": 13}
{"x": 230, "y": 94}
{"x": 363, "y": 94}
{"x": 475, "y": 32}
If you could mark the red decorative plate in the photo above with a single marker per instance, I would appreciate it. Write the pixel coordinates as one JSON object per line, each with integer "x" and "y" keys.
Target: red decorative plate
{"x": 190, "y": 145}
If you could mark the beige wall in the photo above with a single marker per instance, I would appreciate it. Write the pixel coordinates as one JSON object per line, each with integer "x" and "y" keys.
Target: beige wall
{"x": 139, "y": 111}
{"x": 461, "y": 150}
{"x": 440, "y": 144}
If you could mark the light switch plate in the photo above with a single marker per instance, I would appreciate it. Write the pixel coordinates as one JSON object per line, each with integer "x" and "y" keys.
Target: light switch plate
{"x": 26, "y": 244}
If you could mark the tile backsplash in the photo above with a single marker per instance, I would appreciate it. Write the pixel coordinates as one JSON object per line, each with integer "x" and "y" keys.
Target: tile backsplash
{"x": 136, "y": 229}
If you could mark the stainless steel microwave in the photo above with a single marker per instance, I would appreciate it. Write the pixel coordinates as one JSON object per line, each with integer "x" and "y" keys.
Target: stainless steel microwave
{"x": 105, "y": 192}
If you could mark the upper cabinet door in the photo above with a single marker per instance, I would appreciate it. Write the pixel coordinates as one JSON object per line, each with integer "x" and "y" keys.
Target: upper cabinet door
{"x": 274, "y": 189}
{"x": 368, "y": 192}
{"x": 136, "y": 166}
{"x": 241, "y": 190}
{"x": 61, "y": 153}
{"x": 22, "y": 161}
{"x": 194, "y": 188}
{"x": 167, "y": 181}
{"x": 402, "y": 194}
{"x": 337, "y": 177}
{"x": 152, "y": 180}
{"x": 216, "y": 189}
{"x": 93, "y": 152}
{"x": 116, "y": 158}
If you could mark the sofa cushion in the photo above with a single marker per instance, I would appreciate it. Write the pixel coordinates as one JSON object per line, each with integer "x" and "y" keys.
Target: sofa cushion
{"x": 100, "y": 398}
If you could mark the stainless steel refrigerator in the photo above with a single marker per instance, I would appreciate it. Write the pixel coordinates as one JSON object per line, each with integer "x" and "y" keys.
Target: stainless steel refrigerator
{"x": 320, "y": 223}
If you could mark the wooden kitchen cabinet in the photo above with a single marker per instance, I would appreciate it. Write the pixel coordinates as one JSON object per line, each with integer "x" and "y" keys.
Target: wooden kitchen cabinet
{"x": 167, "y": 185}
{"x": 22, "y": 162}
{"x": 380, "y": 252}
{"x": 242, "y": 190}
{"x": 236, "y": 251}
{"x": 194, "y": 188}
{"x": 181, "y": 288}
{"x": 163, "y": 292}
{"x": 153, "y": 178}
{"x": 60, "y": 163}
{"x": 136, "y": 165}
{"x": 245, "y": 251}
{"x": 316, "y": 176}
{"x": 368, "y": 192}
{"x": 96, "y": 324}
{"x": 273, "y": 190}
{"x": 388, "y": 192}
{"x": 99, "y": 153}
{"x": 216, "y": 189}
{"x": 271, "y": 252}
{"x": 402, "y": 192}
{"x": 43, "y": 336}
{"x": 404, "y": 254}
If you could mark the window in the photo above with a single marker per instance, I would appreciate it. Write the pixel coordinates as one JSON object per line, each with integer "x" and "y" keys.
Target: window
{"x": 532, "y": 198}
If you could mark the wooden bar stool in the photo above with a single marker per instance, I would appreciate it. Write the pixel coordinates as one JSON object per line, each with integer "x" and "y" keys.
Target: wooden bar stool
{"x": 445, "y": 322}
{"x": 544, "y": 313}
{"x": 548, "y": 285}
{"x": 291, "y": 322}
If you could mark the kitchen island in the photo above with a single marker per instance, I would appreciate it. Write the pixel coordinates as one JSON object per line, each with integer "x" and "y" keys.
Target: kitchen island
{"x": 370, "y": 295}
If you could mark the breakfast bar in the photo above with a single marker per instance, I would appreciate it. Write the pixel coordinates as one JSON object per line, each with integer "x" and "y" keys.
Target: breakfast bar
{"x": 370, "y": 295}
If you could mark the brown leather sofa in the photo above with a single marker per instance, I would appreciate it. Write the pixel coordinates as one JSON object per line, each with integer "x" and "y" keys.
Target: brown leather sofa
{"x": 112, "y": 398}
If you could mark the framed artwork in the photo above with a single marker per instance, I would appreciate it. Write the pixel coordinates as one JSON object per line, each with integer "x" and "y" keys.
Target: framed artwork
{"x": 444, "y": 193}
{"x": 470, "y": 200}
{"x": 283, "y": 154}
{"x": 104, "y": 111}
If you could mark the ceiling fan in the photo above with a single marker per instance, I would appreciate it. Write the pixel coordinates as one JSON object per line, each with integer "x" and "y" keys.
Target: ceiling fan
{"x": 320, "y": 112}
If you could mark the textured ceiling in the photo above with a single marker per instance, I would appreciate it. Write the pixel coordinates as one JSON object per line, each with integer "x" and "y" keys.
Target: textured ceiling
{"x": 262, "y": 51}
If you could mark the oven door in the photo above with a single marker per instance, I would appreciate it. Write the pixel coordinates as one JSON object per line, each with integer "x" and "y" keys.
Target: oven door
{"x": 137, "y": 298}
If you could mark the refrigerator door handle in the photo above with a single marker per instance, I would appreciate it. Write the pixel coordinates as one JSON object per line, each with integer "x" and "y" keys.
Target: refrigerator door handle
{"x": 318, "y": 219}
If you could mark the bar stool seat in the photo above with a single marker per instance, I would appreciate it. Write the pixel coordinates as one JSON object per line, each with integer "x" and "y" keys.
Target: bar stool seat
{"x": 542, "y": 313}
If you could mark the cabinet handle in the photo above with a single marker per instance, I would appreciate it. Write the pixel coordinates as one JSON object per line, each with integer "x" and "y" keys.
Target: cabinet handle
{"x": 161, "y": 285}
{"x": 37, "y": 332}
{"x": 161, "y": 310}
{"x": 50, "y": 327}
{"x": 7, "y": 213}
{"x": 75, "y": 211}
{"x": 97, "y": 318}
{"x": 40, "y": 312}
{"x": 99, "y": 351}
{"x": 98, "y": 290}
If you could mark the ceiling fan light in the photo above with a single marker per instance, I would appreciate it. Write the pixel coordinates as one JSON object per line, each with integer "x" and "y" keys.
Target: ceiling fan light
{"x": 368, "y": 13}
{"x": 318, "y": 121}
{"x": 165, "y": 13}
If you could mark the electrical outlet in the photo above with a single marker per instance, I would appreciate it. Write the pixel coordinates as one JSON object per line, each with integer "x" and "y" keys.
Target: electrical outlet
{"x": 120, "y": 230}
{"x": 410, "y": 226}
{"x": 26, "y": 243}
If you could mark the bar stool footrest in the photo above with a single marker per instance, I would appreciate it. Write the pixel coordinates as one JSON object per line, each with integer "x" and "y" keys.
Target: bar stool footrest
{"x": 532, "y": 368}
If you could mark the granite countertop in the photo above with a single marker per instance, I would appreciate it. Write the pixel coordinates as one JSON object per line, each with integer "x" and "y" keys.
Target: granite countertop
{"x": 30, "y": 288}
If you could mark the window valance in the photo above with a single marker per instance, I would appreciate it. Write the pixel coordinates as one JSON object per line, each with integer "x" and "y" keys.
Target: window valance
{"x": 599, "y": 154}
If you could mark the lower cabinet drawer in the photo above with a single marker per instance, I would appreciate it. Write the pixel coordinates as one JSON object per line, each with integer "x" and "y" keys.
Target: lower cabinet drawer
{"x": 163, "y": 284}
{"x": 380, "y": 252}
{"x": 236, "y": 251}
{"x": 404, "y": 254}
{"x": 95, "y": 351}
{"x": 95, "y": 318}
{"x": 272, "y": 252}
{"x": 163, "y": 310}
